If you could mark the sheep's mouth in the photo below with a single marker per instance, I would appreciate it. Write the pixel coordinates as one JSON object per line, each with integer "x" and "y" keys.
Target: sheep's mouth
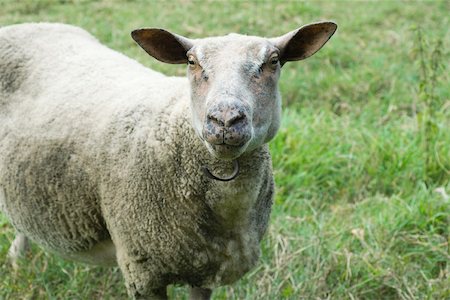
{"x": 226, "y": 151}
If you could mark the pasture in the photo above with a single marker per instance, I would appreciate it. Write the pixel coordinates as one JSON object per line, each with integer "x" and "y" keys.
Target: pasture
{"x": 362, "y": 160}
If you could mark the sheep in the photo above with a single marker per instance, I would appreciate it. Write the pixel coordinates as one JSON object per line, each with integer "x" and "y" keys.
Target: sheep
{"x": 105, "y": 161}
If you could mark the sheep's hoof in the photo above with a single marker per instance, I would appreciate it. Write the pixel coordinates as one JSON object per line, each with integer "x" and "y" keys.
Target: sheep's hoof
{"x": 231, "y": 177}
{"x": 18, "y": 249}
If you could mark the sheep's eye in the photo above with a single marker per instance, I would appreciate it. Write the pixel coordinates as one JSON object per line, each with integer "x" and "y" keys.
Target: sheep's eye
{"x": 274, "y": 60}
{"x": 191, "y": 60}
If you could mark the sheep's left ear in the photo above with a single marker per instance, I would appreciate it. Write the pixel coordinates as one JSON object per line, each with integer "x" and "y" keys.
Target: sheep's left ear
{"x": 163, "y": 45}
{"x": 304, "y": 41}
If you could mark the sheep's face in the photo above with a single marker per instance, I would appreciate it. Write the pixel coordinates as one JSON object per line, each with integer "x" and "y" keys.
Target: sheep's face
{"x": 234, "y": 93}
{"x": 236, "y": 106}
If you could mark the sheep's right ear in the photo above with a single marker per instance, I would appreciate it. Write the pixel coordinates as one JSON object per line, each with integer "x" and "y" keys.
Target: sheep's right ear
{"x": 163, "y": 45}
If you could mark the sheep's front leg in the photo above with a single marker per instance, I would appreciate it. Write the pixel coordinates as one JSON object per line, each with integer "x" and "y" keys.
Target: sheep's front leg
{"x": 143, "y": 280}
{"x": 197, "y": 293}
{"x": 18, "y": 248}
{"x": 137, "y": 288}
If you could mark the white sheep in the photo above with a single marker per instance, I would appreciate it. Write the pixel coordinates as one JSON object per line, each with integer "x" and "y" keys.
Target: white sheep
{"x": 105, "y": 161}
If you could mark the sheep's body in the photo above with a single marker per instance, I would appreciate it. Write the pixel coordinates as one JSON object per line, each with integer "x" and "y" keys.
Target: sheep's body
{"x": 101, "y": 159}
{"x": 95, "y": 147}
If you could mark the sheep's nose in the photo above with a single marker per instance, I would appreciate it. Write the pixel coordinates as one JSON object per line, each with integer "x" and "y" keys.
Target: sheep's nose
{"x": 227, "y": 119}
{"x": 227, "y": 125}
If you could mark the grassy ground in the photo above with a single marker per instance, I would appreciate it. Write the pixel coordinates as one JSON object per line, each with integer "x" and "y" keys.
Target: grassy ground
{"x": 364, "y": 145}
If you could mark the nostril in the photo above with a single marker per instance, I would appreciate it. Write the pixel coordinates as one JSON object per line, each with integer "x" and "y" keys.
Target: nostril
{"x": 236, "y": 119}
{"x": 215, "y": 120}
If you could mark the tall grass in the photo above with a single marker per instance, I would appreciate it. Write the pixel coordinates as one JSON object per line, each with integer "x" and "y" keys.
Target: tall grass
{"x": 362, "y": 161}
{"x": 430, "y": 62}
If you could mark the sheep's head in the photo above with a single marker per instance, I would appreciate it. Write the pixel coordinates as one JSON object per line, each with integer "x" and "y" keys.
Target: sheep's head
{"x": 236, "y": 105}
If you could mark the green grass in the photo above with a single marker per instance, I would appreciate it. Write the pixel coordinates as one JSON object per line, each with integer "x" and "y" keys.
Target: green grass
{"x": 364, "y": 144}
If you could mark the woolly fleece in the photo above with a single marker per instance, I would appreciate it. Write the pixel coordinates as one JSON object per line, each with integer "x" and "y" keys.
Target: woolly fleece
{"x": 95, "y": 147}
